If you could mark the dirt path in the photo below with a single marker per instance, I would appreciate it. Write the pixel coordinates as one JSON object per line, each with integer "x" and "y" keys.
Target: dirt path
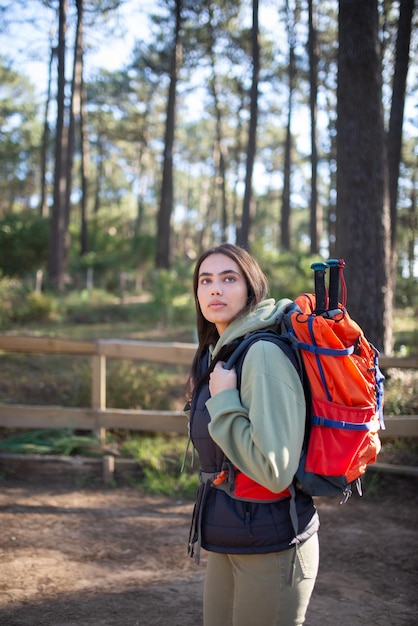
{"x": 113, "y": 557}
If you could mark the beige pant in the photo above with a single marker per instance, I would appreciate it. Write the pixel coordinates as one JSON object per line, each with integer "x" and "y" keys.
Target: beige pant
{"x": 256, "y": 589}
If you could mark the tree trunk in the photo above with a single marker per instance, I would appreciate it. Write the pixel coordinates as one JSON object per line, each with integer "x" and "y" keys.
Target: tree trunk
{"x": 287, "y": 169}
{"x": 285, "y": 215}
{"x": 244, "y": 231}
{"x": 100, "y": 159}
{"x": 43, "y": 206}
{"x": 316, "y": 214}
{"x": 85, "y": 170}
{"x": 412, "y": 228}
{"x": 363, "y": 220}
{"x": 397, "y": 109}
{"x": 219, "y": 157}
{"x": 56, "y": 273}
{"x": 75, "y": 111}
{"x": 236, "y": 158}
{"x": 140, "y": 200}
{"x": 163, "y": 256}
{"x": 219, "y": 189}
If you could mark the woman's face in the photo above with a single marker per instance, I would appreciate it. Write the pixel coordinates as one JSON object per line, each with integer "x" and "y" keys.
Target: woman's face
{"x": 222, "y": 290}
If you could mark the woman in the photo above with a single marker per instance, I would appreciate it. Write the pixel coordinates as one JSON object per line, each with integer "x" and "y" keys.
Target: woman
{"x": 263, "y": 559}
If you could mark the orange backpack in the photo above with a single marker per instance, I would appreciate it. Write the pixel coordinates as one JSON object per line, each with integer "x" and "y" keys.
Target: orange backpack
{"x": 342, "y": 382}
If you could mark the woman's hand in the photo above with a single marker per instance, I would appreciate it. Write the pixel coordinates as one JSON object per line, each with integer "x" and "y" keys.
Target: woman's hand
{"x": 222, "y": 379}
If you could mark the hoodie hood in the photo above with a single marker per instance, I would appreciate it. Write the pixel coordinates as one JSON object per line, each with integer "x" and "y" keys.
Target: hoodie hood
{"x": 268, "y": 313}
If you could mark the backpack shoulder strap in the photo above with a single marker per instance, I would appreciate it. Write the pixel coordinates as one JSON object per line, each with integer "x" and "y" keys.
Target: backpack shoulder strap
{"x": 281, "y": 340}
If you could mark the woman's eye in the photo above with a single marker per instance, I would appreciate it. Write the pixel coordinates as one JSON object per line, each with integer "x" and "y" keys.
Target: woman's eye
{"x": 230, "y": 279}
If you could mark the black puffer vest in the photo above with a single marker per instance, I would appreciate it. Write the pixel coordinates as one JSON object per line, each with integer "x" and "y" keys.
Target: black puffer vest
{"x": 224, "y": 524}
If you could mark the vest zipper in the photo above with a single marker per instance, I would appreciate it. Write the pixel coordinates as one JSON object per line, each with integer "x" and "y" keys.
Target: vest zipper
{"x": 248, "y": 522}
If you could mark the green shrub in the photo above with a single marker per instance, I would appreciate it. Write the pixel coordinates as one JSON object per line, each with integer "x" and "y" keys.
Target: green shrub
{"x": 406, "y": 293}
{"x": 160, "y": 459}
{"x": 401, "y": 392}
{"x": 23, "y": 242}
{"x": 18, "y": 304}
{"x": 38, "y": 307}
{"x": 133, "y": 385}
{"x": 50, "y": 441}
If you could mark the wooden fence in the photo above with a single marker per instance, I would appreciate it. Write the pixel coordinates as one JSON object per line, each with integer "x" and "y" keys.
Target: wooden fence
{"x": 98, "y": 417}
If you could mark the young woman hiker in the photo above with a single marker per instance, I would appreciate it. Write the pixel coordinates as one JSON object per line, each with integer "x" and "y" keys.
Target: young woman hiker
{"x": 260, "y": 570}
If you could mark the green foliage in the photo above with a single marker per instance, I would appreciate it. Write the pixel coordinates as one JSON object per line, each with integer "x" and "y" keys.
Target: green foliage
{"x": 405, "y": 330}
{"x": 139, "y": 315}
{"x": 23, "y": 243}
{"x": 289, "y": 274}
{"x": 93, "y": 306}
{"x": 38, "y": 307}
{"x": 19, "y": 305}
{"x": 114, "y": 248}
{"x": 50, "y": 441}
{"x": 401, "y": 392}
{"x": 10, "y": 291}
{"x": 160, "y": 459}
{"x": 171, "y": 293}
{"x": 406, "y": 293}
{"x": 134, "y": 385}
{"x": 46, "y": 379}
{"x": 400, "y": 452}
{"x": 20, "y": 131}
{"x": 159, "y": 482}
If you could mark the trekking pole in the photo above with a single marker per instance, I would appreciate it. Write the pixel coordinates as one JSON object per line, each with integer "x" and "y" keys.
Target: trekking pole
{"x": 319, "y": 269}
{"x": 336, "y": 267}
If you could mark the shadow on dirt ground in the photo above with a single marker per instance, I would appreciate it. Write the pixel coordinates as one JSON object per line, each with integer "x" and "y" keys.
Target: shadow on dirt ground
{"x": 115, "y": 557}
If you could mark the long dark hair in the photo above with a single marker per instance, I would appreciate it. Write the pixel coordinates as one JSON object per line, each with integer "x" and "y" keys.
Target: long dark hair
{"x": 257, "y": 288}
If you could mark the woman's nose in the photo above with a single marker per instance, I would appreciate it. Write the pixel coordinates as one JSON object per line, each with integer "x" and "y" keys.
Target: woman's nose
{"x": 216, "y": 290}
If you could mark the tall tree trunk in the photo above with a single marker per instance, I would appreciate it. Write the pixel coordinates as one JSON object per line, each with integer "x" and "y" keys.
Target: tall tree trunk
{"x": 287, "y": 168}
{"x": 56, "y": 272}
{"x": 218, "y": 157}
{"x": 75, "y": 110}
{"x": 244, "y": 231}
{"x": 412, "y": 228}
{"x": 143, "y": 184}
{"x": 406, "y": 8}
{"x": 236, "y": 158}
{"x": 85, "y": 170}
{"x": 363, "y": 220}
{"x": 316, "y": 214}
{"x": 43, "y": 206}
{"x": 285, "y": 214}
{"x": 163, "y": 256}
{"x": 100, "y": 158}
{"x": 219, "y": 153}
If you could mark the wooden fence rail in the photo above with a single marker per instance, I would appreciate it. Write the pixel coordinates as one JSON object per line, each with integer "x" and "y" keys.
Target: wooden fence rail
{"x": 99, "y": 418}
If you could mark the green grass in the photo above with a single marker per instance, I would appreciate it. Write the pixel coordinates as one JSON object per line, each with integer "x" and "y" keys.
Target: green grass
{"x": 50, "y": 441}
{"x": 166, "y": 467}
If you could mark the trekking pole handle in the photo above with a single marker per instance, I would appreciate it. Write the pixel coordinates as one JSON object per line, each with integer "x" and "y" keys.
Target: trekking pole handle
{"x": 335, "y": 270}
{"x": 319, "y": 269}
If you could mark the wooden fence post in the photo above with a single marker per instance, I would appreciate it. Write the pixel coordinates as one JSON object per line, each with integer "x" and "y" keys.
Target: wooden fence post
{"x": 108, "y": 469}
{"x": 98, "y": 400}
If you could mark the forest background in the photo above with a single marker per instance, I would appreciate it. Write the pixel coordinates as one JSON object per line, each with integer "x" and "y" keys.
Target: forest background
{"x": 289, "y": 128}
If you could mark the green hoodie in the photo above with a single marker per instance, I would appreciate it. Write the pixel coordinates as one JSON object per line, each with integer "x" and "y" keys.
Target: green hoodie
{"x": 260, "y": 427}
